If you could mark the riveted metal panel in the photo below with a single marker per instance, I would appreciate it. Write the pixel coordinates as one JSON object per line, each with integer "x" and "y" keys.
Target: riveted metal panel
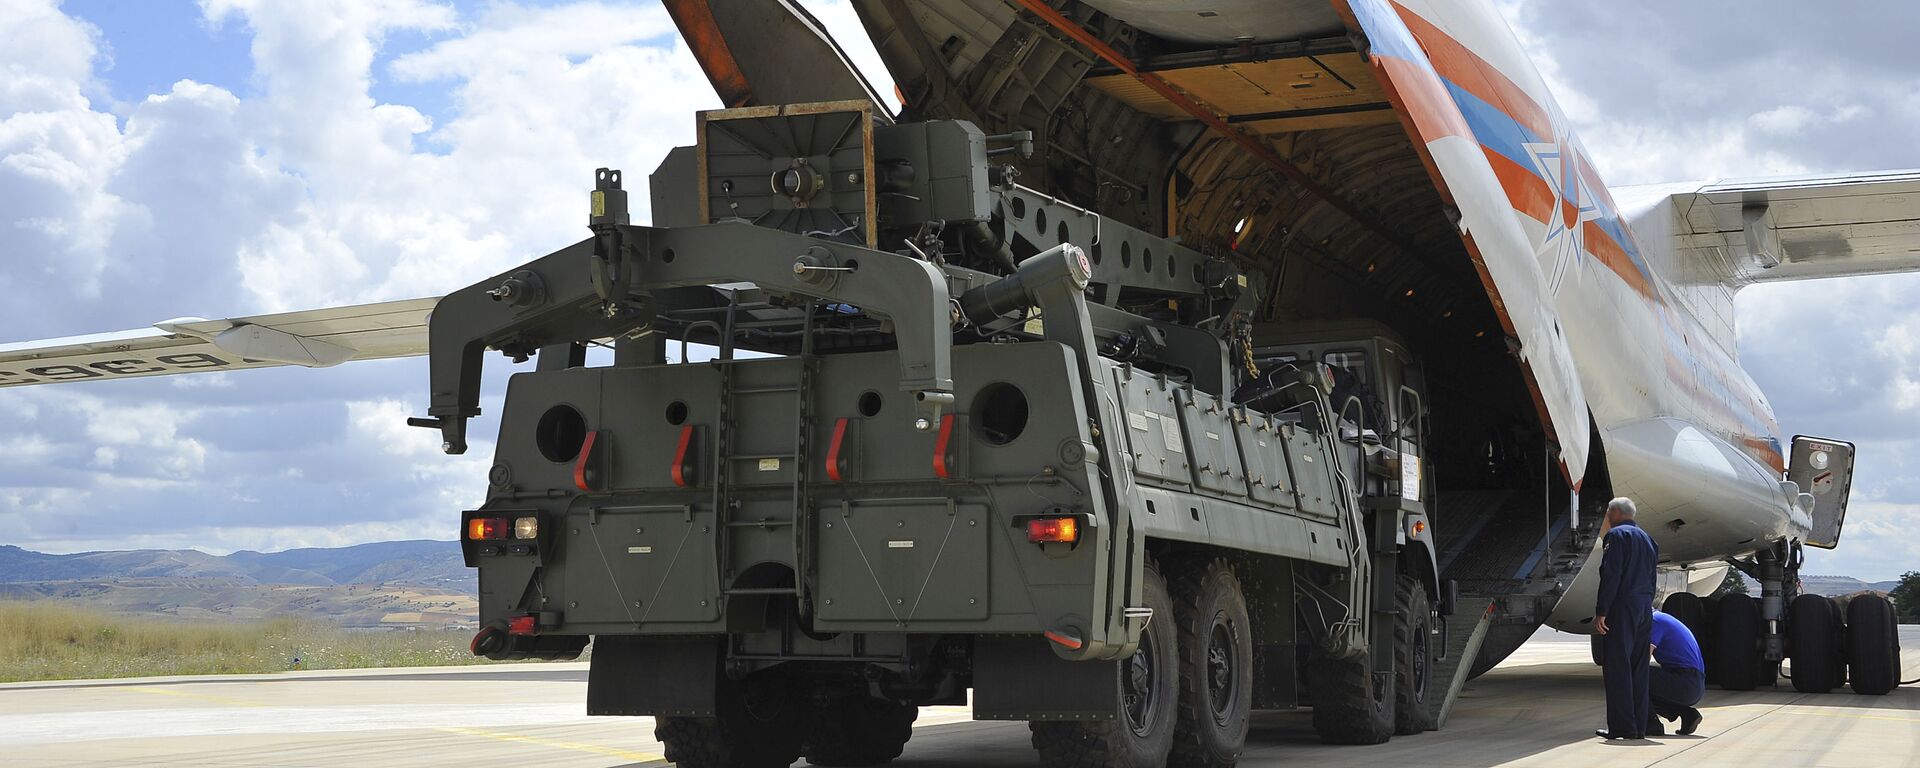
{"x": 1154, "y": 434}
{"x": 1211, "y": 442}
{"x": 635, "y": 563}
{"x": 1312, "y": 471}
{"x": 901, "y": 560}
{"x": 1268, "y": 473}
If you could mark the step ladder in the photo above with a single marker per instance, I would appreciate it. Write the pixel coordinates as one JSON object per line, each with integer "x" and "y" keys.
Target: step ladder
{"x": 1466, "y": 628}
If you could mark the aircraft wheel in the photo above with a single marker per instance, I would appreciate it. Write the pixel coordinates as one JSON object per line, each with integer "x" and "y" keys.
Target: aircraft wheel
{"x": 1142, "y": 736}
{"x": 1710, "y": 639}
{"x": 1216, "y": 666}
{"x": 1873, "y": 645}
{"x": 1737, "y": 643}
{"x": 757, "y": 724}
{"x": 1813, "y": 628}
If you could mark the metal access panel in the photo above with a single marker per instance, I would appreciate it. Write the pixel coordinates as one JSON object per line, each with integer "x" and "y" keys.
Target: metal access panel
{"x": 1319, "y": 487}
{"x": 1154, "y": 434}
{"x": 1824, "y": 468}
{"x": 637, "y": 564}
{"x": 901, "y": 560}
{"x": 1211, "y": 442}
{"x": 1268, "y": 474}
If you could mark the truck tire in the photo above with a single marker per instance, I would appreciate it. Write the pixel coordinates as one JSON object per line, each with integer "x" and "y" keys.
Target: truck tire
{"x": 1216, "y": 665}
{"x": 1349, "y": 705}
{"x": 1413, "y": 658}
{"x": 756, "y": 724}
{"x": 1737, "y": 643}
{"x": 1142, "y": 736}
{"x": 858, "y": 730}
{"x": 1813, "y": 628}
{"x": 1874, "y": 648}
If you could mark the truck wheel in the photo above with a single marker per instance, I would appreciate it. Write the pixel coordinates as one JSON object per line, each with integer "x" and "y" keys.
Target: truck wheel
{"x": 1216, "y": 666}
{"x": 1350, "y": 704}
{"x": 1142, "y": 736}
{"x": 1413, "y": 654}
{"x": 1737, "y": 643}
{"x": 1813, "y": 626}
{"x": 1874, "y": 647}
{"x": 756, "y": 725}
{"x": 858, "y": 730}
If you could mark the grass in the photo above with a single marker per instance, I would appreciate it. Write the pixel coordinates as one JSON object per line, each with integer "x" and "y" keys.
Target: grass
{"x": 51, "y": 641}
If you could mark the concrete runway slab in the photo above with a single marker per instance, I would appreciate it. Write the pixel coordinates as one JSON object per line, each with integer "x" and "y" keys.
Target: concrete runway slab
{"x": 1539, "y": 708}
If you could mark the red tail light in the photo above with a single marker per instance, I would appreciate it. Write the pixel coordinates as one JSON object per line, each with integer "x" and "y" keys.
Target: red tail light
{"x": 522, "y": 625}
{"x": 1053, "y": 530}
{"x": 486, "y": 528}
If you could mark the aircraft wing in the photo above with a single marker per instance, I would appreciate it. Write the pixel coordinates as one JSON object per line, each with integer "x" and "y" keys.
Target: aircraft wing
{"x": 1798, "y": 228}
{"x": 314, "y": 338}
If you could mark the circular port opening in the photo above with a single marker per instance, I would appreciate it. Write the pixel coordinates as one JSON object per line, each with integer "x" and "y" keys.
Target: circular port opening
{"x": 870, "y": 403}
{"x": 1000, "y": 413}
{"x": 676, "y": 413}
{"x": 559, "y": 434}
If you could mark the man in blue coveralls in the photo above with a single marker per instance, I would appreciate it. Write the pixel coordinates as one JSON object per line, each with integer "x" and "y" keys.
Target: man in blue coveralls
{"x": 1623, "y": 617}
{"x": 1680, "y": 680}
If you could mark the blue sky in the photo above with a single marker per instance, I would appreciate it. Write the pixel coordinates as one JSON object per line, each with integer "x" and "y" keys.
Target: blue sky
{"x": 165, "y": 158}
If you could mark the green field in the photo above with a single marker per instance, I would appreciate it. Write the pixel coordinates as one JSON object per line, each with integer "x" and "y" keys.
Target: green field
{"x": 52, "y": 641}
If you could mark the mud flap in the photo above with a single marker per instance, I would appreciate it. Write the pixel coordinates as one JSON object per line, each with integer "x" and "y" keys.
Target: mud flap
{"x": 1020, "y": 678}
{"x": 639, "y": 675}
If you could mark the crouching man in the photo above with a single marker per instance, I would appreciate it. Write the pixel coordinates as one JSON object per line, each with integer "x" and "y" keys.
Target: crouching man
{"x": 1680, "y": 680}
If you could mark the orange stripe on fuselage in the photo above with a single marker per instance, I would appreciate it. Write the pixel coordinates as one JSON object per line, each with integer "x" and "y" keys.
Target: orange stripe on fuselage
{"x": 1466, "y": 69}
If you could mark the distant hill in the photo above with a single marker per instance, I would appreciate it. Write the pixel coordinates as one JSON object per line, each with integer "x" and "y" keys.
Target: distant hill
{"x": 431, "y": 563}
{"x": 384, "y": 584}
{"x": 1835, "y": 586}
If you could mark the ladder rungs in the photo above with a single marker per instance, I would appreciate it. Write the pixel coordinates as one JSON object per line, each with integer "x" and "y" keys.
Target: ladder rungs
{"x": 764, "y": 390}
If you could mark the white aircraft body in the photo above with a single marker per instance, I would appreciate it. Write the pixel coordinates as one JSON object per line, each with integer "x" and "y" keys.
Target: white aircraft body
{"x": 1396, "y": 159}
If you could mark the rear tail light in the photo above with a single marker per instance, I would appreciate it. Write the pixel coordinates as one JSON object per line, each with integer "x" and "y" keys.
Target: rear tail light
{"x": 526, "y": 528}
{"x": 486, "y": 528}
{"x": 1053, "y": 530}
{"x": 522, "y": 625}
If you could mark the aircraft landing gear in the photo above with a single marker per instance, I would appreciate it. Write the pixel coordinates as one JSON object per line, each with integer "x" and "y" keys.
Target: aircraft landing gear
{"x": 1829, "y": 642}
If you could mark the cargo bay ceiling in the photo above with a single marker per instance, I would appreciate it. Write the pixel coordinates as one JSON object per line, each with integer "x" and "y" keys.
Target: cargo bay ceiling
{"x": 1363, "y": 234}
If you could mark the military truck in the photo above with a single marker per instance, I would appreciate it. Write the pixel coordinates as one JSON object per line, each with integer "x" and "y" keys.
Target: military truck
{"x": 962, "y": 442}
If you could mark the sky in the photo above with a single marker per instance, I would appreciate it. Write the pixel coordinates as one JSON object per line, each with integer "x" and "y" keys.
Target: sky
{"x": 230, "y": 157}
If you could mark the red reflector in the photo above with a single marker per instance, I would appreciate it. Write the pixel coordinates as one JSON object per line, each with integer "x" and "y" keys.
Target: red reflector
{"x": 1053, "y": 530}
{"x": 1066, "y": 637}
{"x": 487, "y": 528}
{"x": 836, "y": 467}
{"x": 942, "y": 460}
{"x": 682, "y": 474}
{"x": 521, "y": 625}
{"x": 580, "y": 479}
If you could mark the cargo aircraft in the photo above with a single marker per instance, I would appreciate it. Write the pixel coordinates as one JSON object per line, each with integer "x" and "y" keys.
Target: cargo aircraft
{"x": 1399, "y": 163}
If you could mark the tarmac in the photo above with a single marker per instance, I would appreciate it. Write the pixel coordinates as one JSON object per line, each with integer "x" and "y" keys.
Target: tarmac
{"x": 1538, "y": 708}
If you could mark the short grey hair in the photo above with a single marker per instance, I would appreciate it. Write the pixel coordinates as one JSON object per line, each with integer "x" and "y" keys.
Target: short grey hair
{"x": 1624, "y": 506}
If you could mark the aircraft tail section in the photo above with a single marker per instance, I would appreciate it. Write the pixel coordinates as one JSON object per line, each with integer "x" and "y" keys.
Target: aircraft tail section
{"x": 1741, "y": 232}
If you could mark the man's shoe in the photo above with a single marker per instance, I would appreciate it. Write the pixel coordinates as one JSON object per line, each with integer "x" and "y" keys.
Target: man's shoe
{"x": 1655, "y": 727}
{"x": 1611, "y": 736}
{"x": 1689, "y": 721}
